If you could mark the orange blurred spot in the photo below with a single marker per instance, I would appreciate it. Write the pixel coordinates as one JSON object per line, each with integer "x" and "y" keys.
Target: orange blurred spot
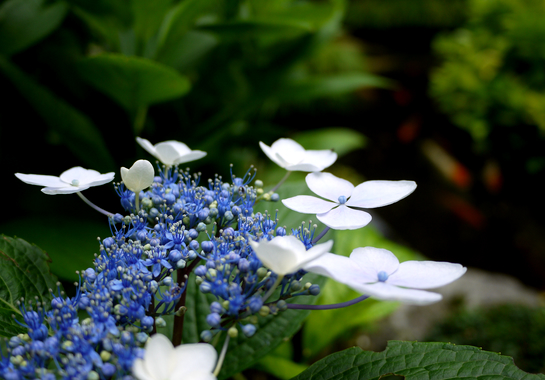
{"x": 464, "y": 210}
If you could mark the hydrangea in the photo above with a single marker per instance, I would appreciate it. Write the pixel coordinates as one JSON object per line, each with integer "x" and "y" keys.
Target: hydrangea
{"x": 342, "y": 209}
{"x": 378, "y": 273}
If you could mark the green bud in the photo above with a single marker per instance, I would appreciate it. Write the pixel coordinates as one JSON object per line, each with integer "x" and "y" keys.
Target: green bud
{"x": 198, "y": 280}
{"x": 16, "y": 360}
{"x": 233, "y": 332}
{"x": 307, "y": 285}
{"x": 264, "y": 311}
{"x": 282, "y": 305}
{"x": 160, "y": 322}
{"x": 295, "y": 286}
{"x": 259, "y": 191}
{"x": 225, "y": 305}
{"x": 258, "y": 183}
{"x": 262, "y": 272}
{"x": 267, "y": 196}
{"x": 93, "y": 376}
{"x": 105, "y": 356}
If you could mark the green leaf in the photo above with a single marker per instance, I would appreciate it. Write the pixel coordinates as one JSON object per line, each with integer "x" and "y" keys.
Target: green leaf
{"x": 148, "y": 16}
{"x": 70, "y": 243}
{"x": 417, "y": 361}
{"x": 78, "y": 133}
{"x": 25, "y": 22}
{"x": 133, "y": 82}
{"x": 178, "y": 21}
{"x": 280, "y": 367}
{"x": 341, "y": 140}
{"x": 330, "y": 86}
{"x": 24, "y": 273}
{"x": 254, "y": 29}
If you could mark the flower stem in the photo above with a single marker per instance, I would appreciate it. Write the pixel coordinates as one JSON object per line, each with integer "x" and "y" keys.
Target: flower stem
{"x": 102, "y": 211}
{"x": 321, "y": 235}
{"x": 271, "y": 290}
{"x": 327, "y": 307}
{"x": 281, "y": 182}
{"x": 222, "y": 356}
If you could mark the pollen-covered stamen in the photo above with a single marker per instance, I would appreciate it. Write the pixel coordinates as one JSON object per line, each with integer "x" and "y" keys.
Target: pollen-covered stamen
{"x": 382, "y": 276}
{"x": 342, "y": 199}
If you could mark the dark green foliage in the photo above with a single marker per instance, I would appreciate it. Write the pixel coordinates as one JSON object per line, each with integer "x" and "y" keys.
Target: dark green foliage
{"x": 513, "y": 330}
{"x": 24, "y": 276}
{"x": 492, "y": 80}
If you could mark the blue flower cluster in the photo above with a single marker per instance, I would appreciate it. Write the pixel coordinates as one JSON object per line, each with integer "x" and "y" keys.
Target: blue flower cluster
{"x": 185, "y": 234}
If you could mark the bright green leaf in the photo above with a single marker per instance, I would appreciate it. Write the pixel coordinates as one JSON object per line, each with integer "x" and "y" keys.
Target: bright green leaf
{"x": 279, "y": 367}
{"x": 24, "y": 273}
{"x": 341, "y": 140}
{"x": 133, "y": 82}
{"x": 417, "y": 361}
{"x": 25, "y": 22}
{"x": 77, "y": 132}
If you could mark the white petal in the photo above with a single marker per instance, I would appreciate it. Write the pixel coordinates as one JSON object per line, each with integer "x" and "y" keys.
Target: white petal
{"x": 372, "y": 194}
{"x": 307, "y": 204}
{"x": 196, "y": 358}
{"x": 303, "y": 167}
{"x": 272, "y": 155}
{"x": 290, "y": 151}
{"x": 147, "y": 146}
{"x": 83, "y": 176}
{"x": 102, "y": 179}
{"x": 374, "y": 260}
{"x": 339, "y": 268}
{"x": 64, "y": 190}
{"x": 180, "y": 147}
{"x": 328, "y": 186}
{"x": 315, "y": 161}
{"x": 139, "y": 176}
{"x": 314, "y": 252}
{"x": 86, "y": 177}
{"x": 344, "y": 218}
{"x": 140, "y": 372}
{"x": 194, "y": 155}
{"x": 40, "y": 180}
{"x": 426, "y": 274}
{"x": 287, "y": 254}
{"x": 279, "y": 260}
{"x": 167, "y": 153}
{"x": 156, "y": 358}
{"x": 199, "y": 375}
{"x": 387, "y": 292}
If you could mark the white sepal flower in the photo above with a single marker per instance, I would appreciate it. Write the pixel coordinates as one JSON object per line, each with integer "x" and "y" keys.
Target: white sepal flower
{"x": 378, "y": 273}
{"x": 163, "y": 361}
{"x": 291, "y": 156}
{"x": 139, "y": 176}
{"x": 71, "y": 181}
{"x": 171, "y": 152}
{"x": 342, "y": 209}
{"x": 287, "y": 254}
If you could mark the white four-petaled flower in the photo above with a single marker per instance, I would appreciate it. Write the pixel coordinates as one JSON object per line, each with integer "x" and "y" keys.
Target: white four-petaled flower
{"x": 378, "y": 273}
{"x": 71, "y": 181}
{"x": 171, "y": 152}
{"x": 139, "y": 176}
{"x": 341, "y": 210}
{"x": 291, "y": 156}
{"x": 163, "y": 361}
{"x": 287, "y": 254}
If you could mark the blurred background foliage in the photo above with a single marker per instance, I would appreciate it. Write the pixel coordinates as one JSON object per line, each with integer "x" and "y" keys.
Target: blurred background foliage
{"x": 449, "y": 94}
